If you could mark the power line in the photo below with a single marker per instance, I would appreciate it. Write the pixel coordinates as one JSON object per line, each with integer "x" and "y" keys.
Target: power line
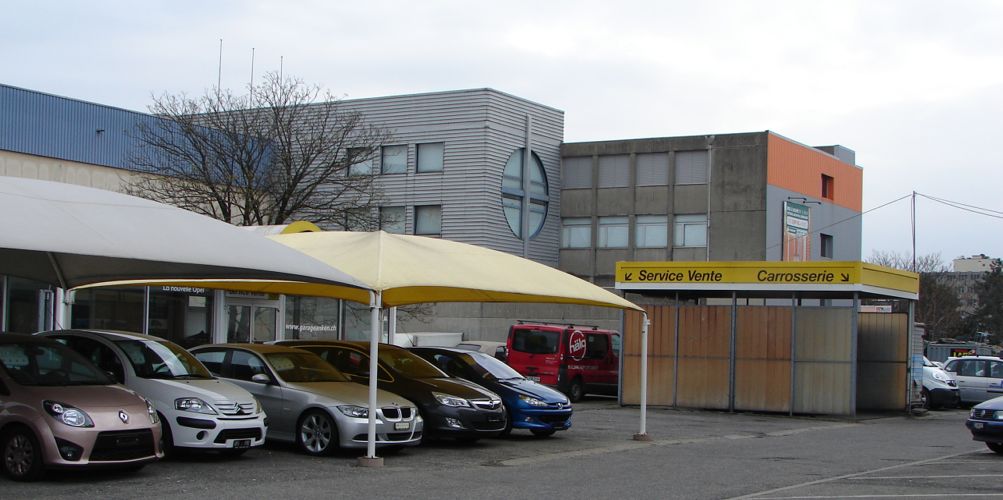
{"x": 854, "y": 216}
{"x": 966, "y": 207}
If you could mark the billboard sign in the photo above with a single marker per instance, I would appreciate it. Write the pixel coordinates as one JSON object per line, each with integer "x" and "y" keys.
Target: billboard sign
{"x": 797, "y": 221}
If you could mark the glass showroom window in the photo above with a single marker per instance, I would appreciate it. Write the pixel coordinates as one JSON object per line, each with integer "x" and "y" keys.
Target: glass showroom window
{"x": 362, "y": 167}
{"x": 393, "y": 159}
{"x": 428, "y": 220}
{"x": 392, "y": 219}
{"x": 691, "y": 231}
{"x": 430, "y": 157}
{"x": 613, "y": 232}
{"x": 576, "y": 232}
{"x": 651, "y": 231}
{"x": 513, "y": 193}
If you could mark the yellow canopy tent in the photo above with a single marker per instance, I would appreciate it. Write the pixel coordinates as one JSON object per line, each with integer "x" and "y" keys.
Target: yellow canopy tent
{"x": 404, "y": 269}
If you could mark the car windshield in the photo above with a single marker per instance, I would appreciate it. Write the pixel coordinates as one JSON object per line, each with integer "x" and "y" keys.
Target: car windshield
{"x": 162, "y": 359}
{"x": 49, "y": 365}
{"x": 535, "y": 341}
{"x": 295, "y": 367}
{"x": 408, "y": 364}
{"x": 489, "y": 368}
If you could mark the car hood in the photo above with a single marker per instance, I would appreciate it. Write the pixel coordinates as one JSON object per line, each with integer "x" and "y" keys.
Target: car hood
{"x": 992, "y": 404}
{"x": 534, "y": 389}
{"x": 89, "y": 397}
{"x": 456, "y": 387}
{"x": 349, "y": 393}
{"x": 209, "y": 390}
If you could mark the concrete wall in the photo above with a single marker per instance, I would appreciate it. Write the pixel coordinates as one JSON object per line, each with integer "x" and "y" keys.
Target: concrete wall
{"x": 70, "y": 172}
{"x": 843, "y": 224}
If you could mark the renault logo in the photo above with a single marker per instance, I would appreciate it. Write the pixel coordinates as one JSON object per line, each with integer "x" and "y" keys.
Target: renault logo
{"x": 123, "y": 416}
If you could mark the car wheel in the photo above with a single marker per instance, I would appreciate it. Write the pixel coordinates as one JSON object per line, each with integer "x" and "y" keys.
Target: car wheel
{"x": 577, "y": 390}
{"x": 997, "y": 447}
{"x": 316, "y": 433}
{"x": 166, "y": 437}
{"x": 22, "y": 456}
{"x": 542, "y": 433}
{"x": 924, "y": 397}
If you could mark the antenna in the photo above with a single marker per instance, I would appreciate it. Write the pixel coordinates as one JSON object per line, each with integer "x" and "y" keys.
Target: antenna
{"x": 252, "y": 78}
{"x": 280, "y": 68}
{"x": 219, "y": 73}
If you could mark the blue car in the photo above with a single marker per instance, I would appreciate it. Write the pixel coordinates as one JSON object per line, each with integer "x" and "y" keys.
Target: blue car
{"x": 532, "y": 406}
{"x": 986, "y": 423}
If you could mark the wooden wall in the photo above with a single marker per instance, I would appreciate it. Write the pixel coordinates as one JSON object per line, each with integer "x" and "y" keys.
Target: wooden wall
{"x": 765, "y": 336}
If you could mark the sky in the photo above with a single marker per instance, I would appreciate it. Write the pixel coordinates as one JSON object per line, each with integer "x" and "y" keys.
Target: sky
{"x": 914, "y": 87}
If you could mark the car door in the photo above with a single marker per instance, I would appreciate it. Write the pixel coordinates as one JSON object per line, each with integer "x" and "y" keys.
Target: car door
{"x": 971, "y": 375}
{"x": 243, "y": 366}
{"x": 994, "y": 382}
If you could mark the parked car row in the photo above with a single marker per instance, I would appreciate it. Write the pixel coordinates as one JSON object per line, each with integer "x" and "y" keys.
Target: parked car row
{"x": 79, "y": 398}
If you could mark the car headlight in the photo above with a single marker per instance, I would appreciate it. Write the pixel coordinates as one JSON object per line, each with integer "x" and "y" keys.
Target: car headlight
{"x": 531, "y": 401}
{"x": 152, "y": 412}
{"x": 69, "y": 415}
{"x": 194, "y": 405}
{"x": 447, "y": 400}
{"x": 998, "y": 415}
{"x": 354, "y": 411}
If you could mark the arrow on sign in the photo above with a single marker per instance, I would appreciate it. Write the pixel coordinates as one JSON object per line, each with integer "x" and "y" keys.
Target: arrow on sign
{"x": 628, "y": 276}
{"x": 845, "y": 277}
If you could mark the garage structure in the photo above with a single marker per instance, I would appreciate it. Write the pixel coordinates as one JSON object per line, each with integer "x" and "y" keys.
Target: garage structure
{"x": 786, "y": 337}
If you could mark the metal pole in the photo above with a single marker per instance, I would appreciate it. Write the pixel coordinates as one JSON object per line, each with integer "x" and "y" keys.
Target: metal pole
{"x": 913, "y": 219}
{"x": 854, "y": 328}
{"x": 375, "y": 304}
{"x": 4, "y": 312}
{"x": 794, "y": 349}
{"x": 146, "y": 310}
{"x": 910, "y": 356}
{"x": 733, "y": 351}
{"x": 642, "y": 435}
{"x": 675, "y": 355}
{"x": 391, "y": 325}
{"x": 527, "y": 187}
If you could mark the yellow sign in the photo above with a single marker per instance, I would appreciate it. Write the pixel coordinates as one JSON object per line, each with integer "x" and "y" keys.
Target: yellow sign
{"x": 765, "y": 273}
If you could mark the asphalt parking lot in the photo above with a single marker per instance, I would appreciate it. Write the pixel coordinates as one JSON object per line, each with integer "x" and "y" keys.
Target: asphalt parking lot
{"x": 693, "y": 454}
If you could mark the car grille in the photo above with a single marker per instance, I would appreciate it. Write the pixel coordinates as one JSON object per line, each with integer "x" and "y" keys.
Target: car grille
{"x": 224, "y": 435}
{"x": 234, "y": 409}
{"x": 983, "y": 414}
{"x": 113, "y": 446}
{"x": 488, "y": 426}
{"x": 553, "y": 419}
{"x": 397, "y": 413}
{"x": 487, "y": 404}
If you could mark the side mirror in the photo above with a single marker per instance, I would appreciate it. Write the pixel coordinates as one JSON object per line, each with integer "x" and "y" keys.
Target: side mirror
{"x": 261, "y": 378}
{"x": 501, "y": 353}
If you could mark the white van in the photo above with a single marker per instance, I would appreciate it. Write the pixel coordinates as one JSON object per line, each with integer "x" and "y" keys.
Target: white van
{"x": 980, "y": 378}
{"x": 196, "y": 409}
{"x": 940, "y": 389}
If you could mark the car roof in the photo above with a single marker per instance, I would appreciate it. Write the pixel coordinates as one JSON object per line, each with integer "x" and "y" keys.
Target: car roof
{"x": 564, "y": 326}
{"x": 258, "y": 348}
{"x": 108, "y": 334}
{"x": 21, "y": 338}
{"x": 358, "y": 344}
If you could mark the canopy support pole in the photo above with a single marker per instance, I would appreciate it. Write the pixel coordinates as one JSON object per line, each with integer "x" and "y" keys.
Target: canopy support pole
{"x": 375, "y": 301}
{"x": 642, "y": 435}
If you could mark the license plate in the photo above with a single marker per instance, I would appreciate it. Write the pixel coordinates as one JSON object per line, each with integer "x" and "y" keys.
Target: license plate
{"x": 978, "y": 425}
{"x": 242, "y": 443}
{"x": 402, "y": 426}
{"x": 533, "y": 378}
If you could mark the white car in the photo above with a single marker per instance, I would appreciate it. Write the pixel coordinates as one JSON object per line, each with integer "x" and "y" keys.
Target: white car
{"x": 980, "y": 378}
{"x": 197, "y": 410}
{"x": 940, "y": 389}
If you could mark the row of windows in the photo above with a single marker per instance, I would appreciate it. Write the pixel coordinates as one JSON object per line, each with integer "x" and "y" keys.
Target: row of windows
{"x": 652, "y": 169}
{"x": 393, "y": 159}
{"x": 427, "y": 220}
{"x": 650, "y": 231}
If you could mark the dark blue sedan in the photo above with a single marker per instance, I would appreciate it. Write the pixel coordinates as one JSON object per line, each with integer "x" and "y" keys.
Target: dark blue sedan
{"x": 538, "y": 408}
{"x": 986, "y": 423}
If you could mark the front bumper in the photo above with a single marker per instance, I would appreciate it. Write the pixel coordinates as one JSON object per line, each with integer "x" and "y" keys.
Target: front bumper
{"x": 394, "y": 427}
{"x": 464, "y": 422}
{"x": 541, "y": 419}
{"x": 949, "y": 398}
{"x": 990, "y": 431}
{"x": 101, "y": 447}
{"x": 215, "y": 432}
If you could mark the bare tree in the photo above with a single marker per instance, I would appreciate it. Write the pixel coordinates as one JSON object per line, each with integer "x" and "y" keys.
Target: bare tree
{"x": 931, "y": 263}
{"x": 284, "y": 151}
{"x": 938, "y": 305}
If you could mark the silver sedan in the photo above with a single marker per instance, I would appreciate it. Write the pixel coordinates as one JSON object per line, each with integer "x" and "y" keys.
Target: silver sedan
{"x": 308, "y": 401}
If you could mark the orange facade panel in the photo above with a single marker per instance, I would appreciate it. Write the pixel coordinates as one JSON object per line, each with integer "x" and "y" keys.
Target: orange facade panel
{"x": 808, "y": 171}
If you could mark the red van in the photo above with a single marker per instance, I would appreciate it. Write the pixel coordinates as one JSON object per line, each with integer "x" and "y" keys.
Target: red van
{"x": 575, "y": 359}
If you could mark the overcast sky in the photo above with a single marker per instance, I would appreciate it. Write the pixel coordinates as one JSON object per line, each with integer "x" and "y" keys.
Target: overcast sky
{"x": 914, "y": 87}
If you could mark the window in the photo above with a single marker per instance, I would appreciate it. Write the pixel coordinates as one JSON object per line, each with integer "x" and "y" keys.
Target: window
{"x": 691, "y": 231}
{"x": 827, "y": 186}
{"x": 358, "y": 219}
{"x": 825, "y": 248}
{"x": 691, "y": 167}
{"x": 577, "y": 172}
{"x": 392, "y": 219}
{"x": 430, "y": 157}
{"x": 244, "y": 365}
{"x": 213, "y": 360}
{"x": 651, "y": 231}
{"x": 576, "y": 232}
{"x": 428, "y": 220}
{"x": 614, "y": 171}
{"x": 613, "y": 232}
{"x": 362, "y": 162}
{"x": 653, "y": 169}
{"x": 513, "y": 193}
{"x": 393, "y": 159}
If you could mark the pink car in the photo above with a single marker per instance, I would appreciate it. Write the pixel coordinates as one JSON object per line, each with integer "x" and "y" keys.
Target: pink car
{"x": 59, "y": 410}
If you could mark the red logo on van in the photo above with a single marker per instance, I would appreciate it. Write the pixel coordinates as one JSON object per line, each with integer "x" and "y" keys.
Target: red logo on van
{"x": 576, "y": 345}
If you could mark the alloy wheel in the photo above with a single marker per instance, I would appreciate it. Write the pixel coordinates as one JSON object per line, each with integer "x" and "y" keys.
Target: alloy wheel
{"x": 316, "y": 432}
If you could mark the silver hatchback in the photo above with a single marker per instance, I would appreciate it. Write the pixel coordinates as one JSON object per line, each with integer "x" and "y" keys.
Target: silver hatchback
{"x": 308, "y": 401}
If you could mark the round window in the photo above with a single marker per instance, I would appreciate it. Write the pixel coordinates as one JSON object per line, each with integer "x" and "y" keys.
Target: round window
{"x": 514, "y": 192}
